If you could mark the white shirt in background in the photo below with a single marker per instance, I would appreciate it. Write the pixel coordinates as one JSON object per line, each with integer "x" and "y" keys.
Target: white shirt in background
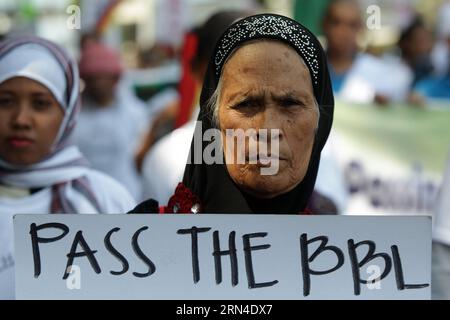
{"x": 108, "y": 138}
{"x": 164, "y": 164}
{"x": 371, "y": 76}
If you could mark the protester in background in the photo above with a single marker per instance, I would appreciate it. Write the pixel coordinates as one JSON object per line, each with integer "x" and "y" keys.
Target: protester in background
{"x": 416, "y": 43}
{"x": 356, "y": 76}
{"x": 112, "y": 119}
{"x": 40, "y": 171}
{"x": 440, "y": 55}
{"x": 437, "y": 85}
{"x": 341, "y": 25}
{"x": 411, "y": 64}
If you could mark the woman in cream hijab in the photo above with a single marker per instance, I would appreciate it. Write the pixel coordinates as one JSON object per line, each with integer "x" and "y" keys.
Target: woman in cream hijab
{"x": 40, "y": 171}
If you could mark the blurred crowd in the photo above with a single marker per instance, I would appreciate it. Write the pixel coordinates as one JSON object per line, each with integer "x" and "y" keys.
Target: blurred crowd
{"x": 415, "y": 71}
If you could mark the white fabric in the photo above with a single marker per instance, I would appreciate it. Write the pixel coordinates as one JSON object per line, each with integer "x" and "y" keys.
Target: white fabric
{"x": 441, "y": 230}
{"x": 441, "y": 51}
{"x": 108, "y": 138}
{"x": 112, "y": 197}
{"x": 35, "y": 62}
{"x": 330, "y": 178}
{"x": 164, "y": 165}
{"x": 440, "y": 57}
{"x": 52, "y": 171}
{"x": 372, "y": 75}
{"x": 39, "y": 175}
{"x": 443, "y": 25}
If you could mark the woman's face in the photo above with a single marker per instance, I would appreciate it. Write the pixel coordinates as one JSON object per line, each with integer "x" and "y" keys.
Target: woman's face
{"x": 266, "y": 85}
{"x": 30, "y": 118}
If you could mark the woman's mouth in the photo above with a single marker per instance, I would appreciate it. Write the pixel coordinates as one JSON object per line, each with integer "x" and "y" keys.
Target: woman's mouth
{"x": 20, "y": 142}
{"x": 262, "y": 159}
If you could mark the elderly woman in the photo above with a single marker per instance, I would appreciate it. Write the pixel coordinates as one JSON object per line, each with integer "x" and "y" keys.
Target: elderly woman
{"x": 40, "y": 171}
{"x": 268, "y": 74}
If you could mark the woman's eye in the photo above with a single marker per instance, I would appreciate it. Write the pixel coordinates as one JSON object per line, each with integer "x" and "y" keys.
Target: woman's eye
{"x": 245, "y": 104}
{"x": 6, "y": 102}
{"x": 41, "y": 104}
{"x": 288, "y": 103}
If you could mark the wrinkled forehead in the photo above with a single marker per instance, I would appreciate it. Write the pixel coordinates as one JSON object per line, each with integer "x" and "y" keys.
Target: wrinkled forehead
{"x": 267, "y": 60}
{"x": 268, "y": 50}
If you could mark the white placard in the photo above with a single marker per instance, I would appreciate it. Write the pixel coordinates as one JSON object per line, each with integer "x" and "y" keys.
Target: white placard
{"x": 222, "y": 257}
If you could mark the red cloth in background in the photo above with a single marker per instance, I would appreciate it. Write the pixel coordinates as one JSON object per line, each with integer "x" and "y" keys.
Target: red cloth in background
{"x": 99, "y": 59}
{"x": 187, "y": 87}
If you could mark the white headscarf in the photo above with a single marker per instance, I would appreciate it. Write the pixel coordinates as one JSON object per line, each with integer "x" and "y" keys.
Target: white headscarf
{"x": 37, "y": 63}
{"x": 64, "y": 168}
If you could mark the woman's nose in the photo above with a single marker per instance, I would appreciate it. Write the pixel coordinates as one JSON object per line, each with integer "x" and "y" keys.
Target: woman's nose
{"x": 270, "y": 124}
{"x": 22, "y": 118}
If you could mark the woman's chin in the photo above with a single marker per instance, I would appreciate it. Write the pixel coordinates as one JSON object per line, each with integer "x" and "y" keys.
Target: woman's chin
{"x": 268, "y": 187}
{"x": 19, "y": 160}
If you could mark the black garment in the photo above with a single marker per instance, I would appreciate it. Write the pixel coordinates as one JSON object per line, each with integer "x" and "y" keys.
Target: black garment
{"x": 149, "y": 206}
{"x": 212, "y": 183}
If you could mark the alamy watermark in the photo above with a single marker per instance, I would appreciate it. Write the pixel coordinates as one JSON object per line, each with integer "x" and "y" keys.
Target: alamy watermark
{"x": 73, "y": 281}
{"x": 374, "y": 279}
{"x": 73, "y": 22}
{"x": 373, "y": 21}
{"x": 252, "y": 146}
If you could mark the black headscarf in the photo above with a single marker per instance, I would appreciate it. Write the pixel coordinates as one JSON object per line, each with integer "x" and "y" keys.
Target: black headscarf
{"x": 212, "y": 183}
